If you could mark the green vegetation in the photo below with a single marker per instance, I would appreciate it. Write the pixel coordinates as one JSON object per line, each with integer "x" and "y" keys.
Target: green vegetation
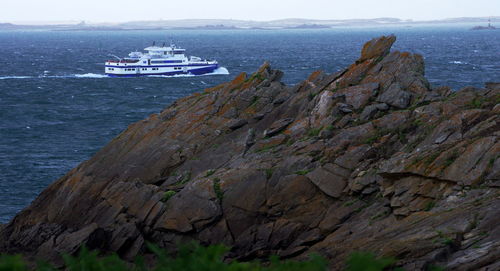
{"x": 477, "y": 102}
{"x": 429, "y": 206}
{"x": 379, "y": 133}
{"x": 363, "y": 261}
{"x": 215, "y": 146}
{"x": 217, "y": 189}
{"x": 254, "y": 76}
{"x": 311, "y": 96}
{"x": 431, "y": 158}
{"x": 167, "y": 195}
{"x": 210, "y": 172}
{"x": 290, "y": 142}
{"x": 266, "y": 148}
{"x": 453, "y": 156}
{"x": 302, "y": 172}
{"x": 269, "y": 172}
{"x": 351, "y": 202}
{"x": 190, "y": 257}
{"x": 254, "y": 101}
{"x": 492, "y": 160}
{"x": 314, "y": 131}
{"x": 443, "y": 239}
{"x": 194, "y": 257}
{"x": 186, "y": 178}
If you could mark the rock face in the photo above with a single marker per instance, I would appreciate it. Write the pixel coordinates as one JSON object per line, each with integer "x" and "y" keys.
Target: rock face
{"x": 369, "y": 159}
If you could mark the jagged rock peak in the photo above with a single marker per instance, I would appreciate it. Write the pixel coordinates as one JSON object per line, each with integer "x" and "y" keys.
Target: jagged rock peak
{"x": 377, "y": 47}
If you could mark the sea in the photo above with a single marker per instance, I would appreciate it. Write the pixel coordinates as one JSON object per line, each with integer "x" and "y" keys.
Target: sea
{"x": 57, "y": 108}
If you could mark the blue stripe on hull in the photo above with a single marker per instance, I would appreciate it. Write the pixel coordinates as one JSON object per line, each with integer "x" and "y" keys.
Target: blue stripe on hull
{"x": 193, "y": 71}
{"x": 154, "y": 66}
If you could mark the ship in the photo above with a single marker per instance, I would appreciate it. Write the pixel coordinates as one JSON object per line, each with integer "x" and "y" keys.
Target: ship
{"x": 159, "y": 60}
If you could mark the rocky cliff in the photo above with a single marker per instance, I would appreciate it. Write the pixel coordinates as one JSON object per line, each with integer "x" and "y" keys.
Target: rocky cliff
{"x": 371, "y": 158}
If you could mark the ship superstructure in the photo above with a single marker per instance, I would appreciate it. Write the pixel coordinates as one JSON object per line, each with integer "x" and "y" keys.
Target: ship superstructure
{"x": 159, "y": 60}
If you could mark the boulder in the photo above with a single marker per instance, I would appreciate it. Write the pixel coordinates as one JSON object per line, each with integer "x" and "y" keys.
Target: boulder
{"x": 277, "y": 127}
{"x": 395, "y": 96}
{"x": 357, "y": 96}
{"x": 328, "y": 182}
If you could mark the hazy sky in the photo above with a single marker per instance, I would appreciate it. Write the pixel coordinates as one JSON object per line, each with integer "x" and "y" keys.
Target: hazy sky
{"x": 131, "y": 10}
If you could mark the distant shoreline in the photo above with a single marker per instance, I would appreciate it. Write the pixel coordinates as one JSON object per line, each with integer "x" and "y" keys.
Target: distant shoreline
{"x": 215, "y": 24}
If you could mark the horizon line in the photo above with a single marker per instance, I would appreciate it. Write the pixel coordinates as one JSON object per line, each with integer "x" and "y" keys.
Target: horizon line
{"x": 233, "y": 19}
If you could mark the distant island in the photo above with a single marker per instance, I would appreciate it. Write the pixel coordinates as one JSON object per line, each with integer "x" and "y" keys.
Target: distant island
{"x": 488, "y": 27}
{"x": 230, "y": 24}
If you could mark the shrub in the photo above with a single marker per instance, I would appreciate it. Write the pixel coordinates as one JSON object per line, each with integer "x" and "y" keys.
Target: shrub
{"x": 363, "y": 261}
{"x": 189, "y": 257}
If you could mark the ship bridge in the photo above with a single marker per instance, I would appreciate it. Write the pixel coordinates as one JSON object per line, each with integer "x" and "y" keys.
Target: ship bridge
{"x": 165, "y": 51}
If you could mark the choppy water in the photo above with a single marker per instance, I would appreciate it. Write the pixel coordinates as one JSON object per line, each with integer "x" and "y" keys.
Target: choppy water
{"x": 57, "y": 108}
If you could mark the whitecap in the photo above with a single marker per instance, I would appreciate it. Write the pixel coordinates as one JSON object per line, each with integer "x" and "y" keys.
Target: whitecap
{"x": 15, "y": 77}
{"x": 90, "y": 75}
{"x": 220, "y": 70}
{"x": 457, "y": 62}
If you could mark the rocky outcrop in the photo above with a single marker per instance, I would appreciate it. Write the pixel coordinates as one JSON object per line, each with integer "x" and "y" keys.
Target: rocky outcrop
{"x": 371, "y": 158}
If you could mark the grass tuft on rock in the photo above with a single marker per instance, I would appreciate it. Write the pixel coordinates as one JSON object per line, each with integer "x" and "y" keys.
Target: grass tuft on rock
{"x": 167, "y": 195}
{"x": 217, "y": 189}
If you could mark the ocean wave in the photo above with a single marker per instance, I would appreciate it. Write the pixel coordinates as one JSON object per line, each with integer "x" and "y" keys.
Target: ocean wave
{"x": 457, "y": 62}
{"x": 15, "y": 77}
{"x": 86, "y": 75}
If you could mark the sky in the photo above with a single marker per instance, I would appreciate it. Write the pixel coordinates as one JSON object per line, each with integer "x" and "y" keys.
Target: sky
{"x": 259, "y": 10}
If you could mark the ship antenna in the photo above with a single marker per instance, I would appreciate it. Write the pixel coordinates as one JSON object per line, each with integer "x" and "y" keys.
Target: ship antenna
{"x": 116, "y": 57}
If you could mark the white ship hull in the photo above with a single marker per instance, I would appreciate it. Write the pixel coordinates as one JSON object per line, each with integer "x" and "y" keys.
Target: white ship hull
{"x": 132, "y": 70}
{"x": 159, "y": 61}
